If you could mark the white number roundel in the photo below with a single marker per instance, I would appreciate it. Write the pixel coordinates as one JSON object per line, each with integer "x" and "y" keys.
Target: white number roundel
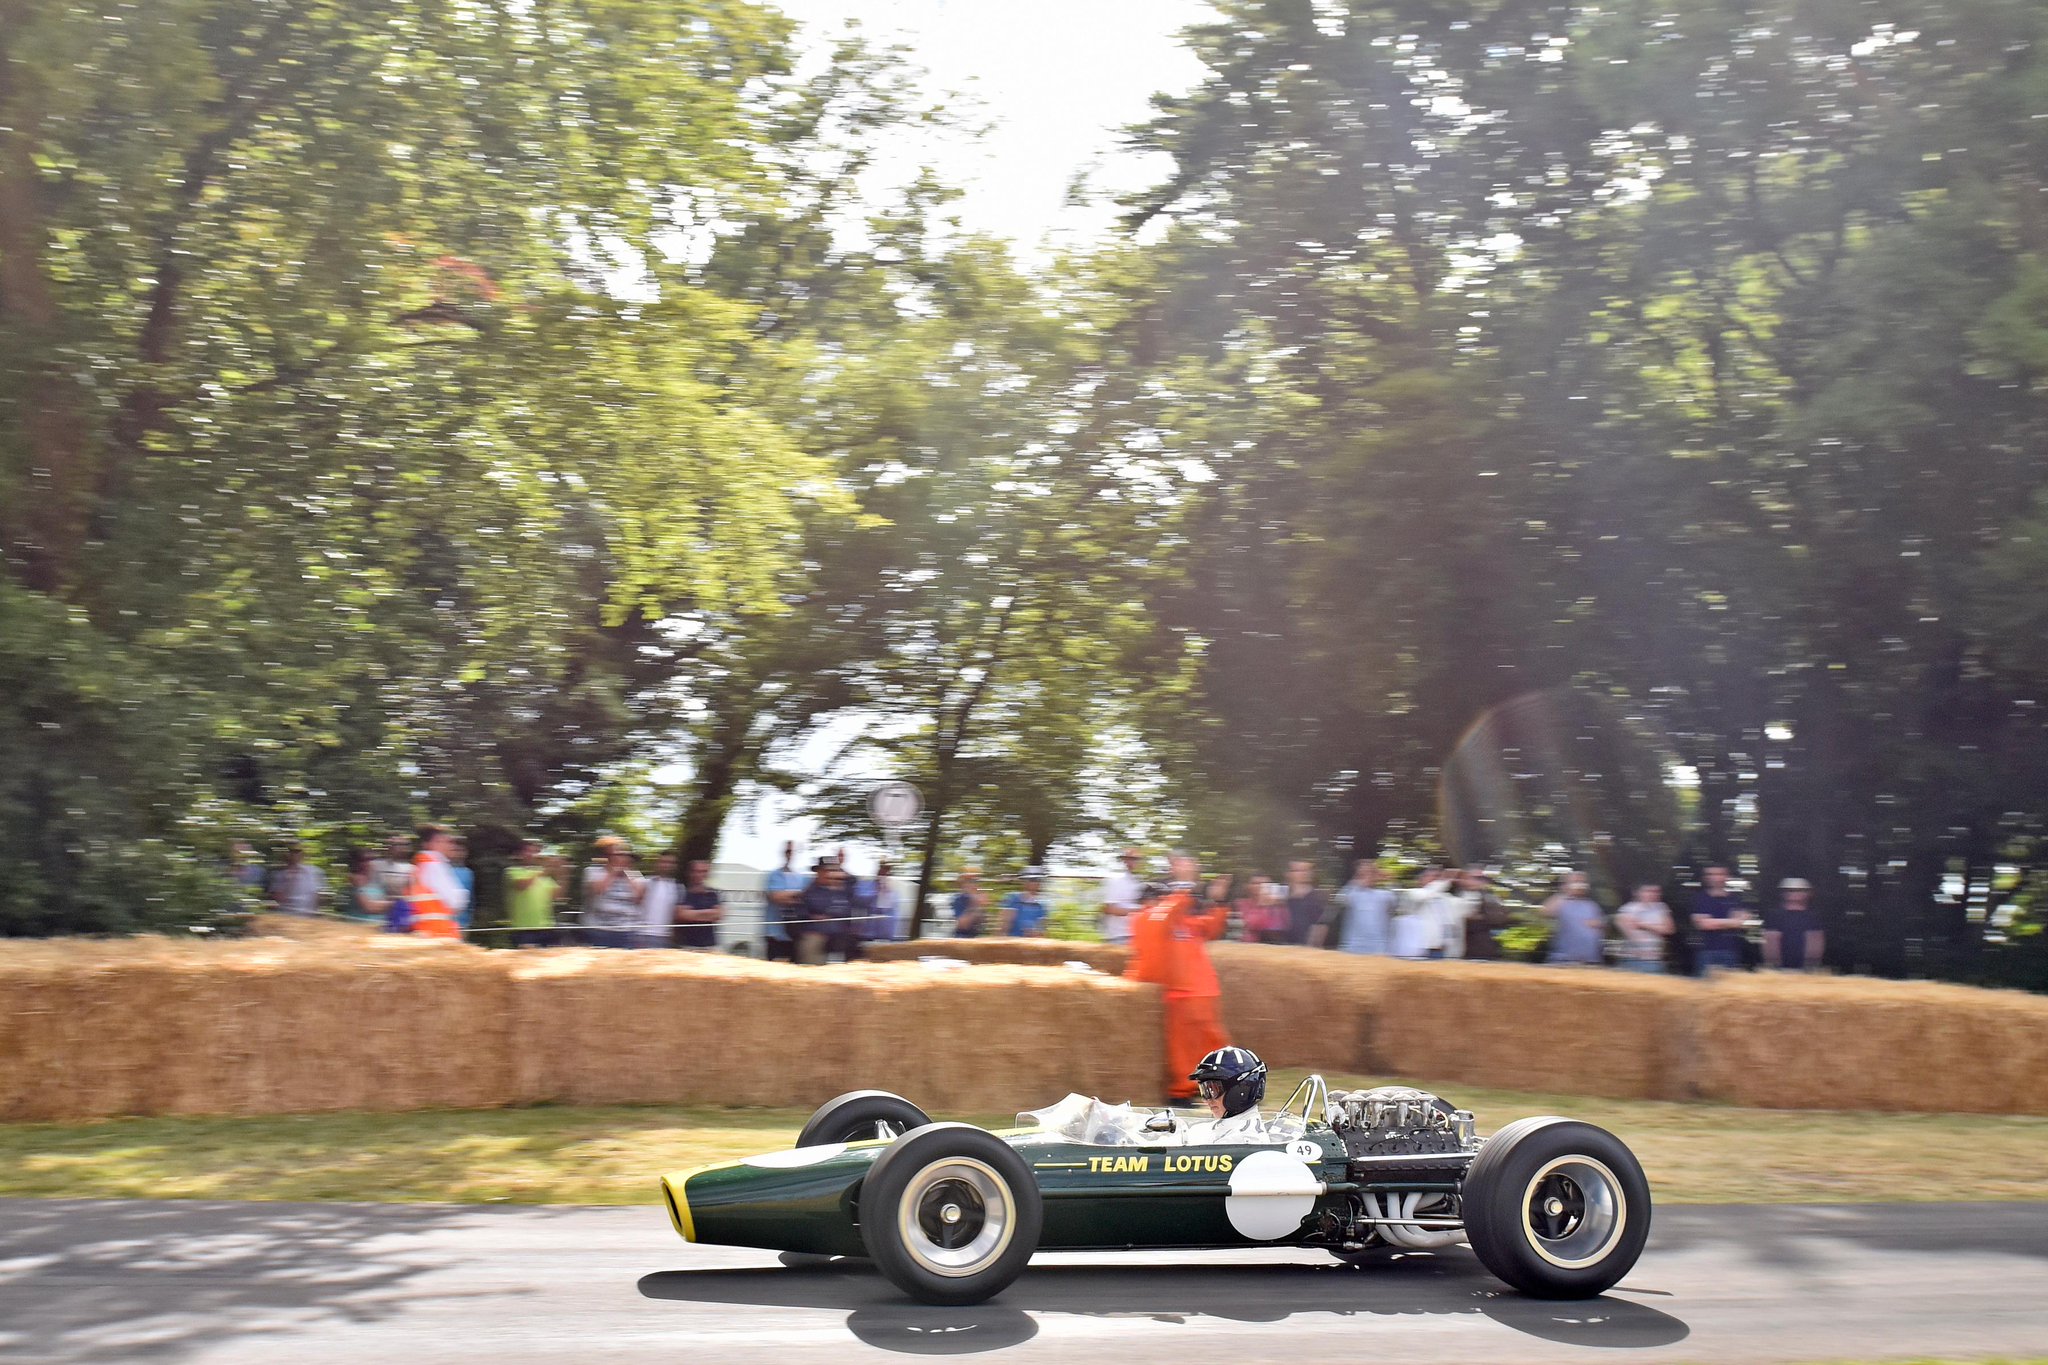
{"x": 895, "y": 804}
{"x": 1270, "y": 1193}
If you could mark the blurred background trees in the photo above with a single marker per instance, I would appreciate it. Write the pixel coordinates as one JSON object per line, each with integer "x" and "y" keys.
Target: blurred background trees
{"x": 1598, "y": 435}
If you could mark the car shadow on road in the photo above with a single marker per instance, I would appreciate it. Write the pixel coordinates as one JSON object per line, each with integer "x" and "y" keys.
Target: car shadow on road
{"x": 1410, "y": 1286}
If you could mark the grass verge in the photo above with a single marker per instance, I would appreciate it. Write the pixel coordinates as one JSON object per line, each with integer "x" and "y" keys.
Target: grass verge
{"x": 1695, "y": 1153}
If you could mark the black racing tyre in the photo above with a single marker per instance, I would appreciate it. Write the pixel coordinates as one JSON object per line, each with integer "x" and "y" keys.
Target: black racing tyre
{"x": 1557, "y": 1208}
{"x": 951, "y": 1214}
{"x": 860, "y": 1116}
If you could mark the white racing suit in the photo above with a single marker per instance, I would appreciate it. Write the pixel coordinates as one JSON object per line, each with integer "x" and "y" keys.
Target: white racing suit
{"x": 1078, "y": 1118}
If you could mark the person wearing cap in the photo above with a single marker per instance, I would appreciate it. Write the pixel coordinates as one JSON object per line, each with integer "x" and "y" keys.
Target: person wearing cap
{"x": 1793, "y": 938}
{"x": 970, "y": 904}
{"x": 1120, "y": 895}
{"x": 1024, "y": 912}
{"x": 825, "y": 915}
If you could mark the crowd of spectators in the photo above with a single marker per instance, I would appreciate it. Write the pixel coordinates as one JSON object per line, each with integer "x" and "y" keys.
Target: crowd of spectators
{"x": 417, "y": 885}
{"x": 824, "y": 911}
{"x": 1450, "y": 912}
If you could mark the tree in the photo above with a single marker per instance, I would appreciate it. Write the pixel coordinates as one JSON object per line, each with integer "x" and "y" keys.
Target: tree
{"x": 345, "y": 396}
{"x": 1675, "y": 362}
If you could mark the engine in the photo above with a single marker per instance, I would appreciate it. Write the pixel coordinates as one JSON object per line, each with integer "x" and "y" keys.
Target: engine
{"x": 1399, "y": 1138}
{"x": 1402, "y": 1122}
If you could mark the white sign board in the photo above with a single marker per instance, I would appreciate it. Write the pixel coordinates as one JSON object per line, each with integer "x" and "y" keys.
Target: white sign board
{"x": 895, "y": 804}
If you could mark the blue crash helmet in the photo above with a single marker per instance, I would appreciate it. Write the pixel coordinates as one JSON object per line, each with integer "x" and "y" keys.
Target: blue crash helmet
{"x": 1233, "y": 1074}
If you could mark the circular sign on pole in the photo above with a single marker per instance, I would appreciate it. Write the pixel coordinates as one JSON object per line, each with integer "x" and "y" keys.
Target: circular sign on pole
{"x": 895, "y": 804}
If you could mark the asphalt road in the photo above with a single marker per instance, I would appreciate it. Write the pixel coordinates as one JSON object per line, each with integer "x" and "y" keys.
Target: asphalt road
{"x": 93, "y": 1281}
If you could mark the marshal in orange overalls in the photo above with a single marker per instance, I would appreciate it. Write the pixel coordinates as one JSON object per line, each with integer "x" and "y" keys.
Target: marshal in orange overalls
{"x": 1169, "y": 947}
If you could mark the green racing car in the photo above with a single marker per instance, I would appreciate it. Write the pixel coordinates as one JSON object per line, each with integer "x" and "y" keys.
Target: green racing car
{"x": 952, "y": 1213}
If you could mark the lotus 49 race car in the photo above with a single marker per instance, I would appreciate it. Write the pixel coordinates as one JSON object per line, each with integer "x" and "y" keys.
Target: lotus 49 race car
{"x": 952, "y": 1213}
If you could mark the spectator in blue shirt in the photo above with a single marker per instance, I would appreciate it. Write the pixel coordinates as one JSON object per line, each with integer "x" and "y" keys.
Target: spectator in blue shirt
{"x": 782, "y": 897}
{"x": 970, "y": 904}
{"x": 1024, "y": 913}
{"x": 1581, "y": 932}
{"x": 874, "y": 905}
{"x": 1361, "y": 914}
{"x": 458, "y": 863}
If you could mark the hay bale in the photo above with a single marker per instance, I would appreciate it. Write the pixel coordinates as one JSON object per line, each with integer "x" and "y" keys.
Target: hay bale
{"x": 1018, "y": 952}
{"x": 1574, "y": 1030}
{"x": 1301, "y": 1006}
{"x": 78, "y": 1038}
{"x": 90, "y": 1028}
{"x": 321, "y": 928}
{"x": 151, "y": 1026}
{"x": 1857, "y": 1043}
{"x": 673, "y": 1027}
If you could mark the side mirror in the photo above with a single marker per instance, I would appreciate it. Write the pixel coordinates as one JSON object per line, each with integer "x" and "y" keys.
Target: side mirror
{"x": 1159, "y": 1123}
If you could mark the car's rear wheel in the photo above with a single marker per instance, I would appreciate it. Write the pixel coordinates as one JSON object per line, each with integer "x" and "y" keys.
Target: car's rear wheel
{"x": 951, "y": 1214}
{"x": 1557, "y": 1208}
{"x": 861, "y": 1116}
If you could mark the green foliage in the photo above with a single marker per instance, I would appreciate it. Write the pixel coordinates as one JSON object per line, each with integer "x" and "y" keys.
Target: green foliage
{"x": 417, "y": 409}
{"x": 93, "y": 832}
{"x": 361, "y": 407}
{"x": 1690, "y": 365}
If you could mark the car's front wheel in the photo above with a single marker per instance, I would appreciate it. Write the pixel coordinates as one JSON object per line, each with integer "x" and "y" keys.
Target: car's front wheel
{"x": 950, "y": 1213}
{"x": 1557, "y": 1208}
{"x": 861, "y": 1116}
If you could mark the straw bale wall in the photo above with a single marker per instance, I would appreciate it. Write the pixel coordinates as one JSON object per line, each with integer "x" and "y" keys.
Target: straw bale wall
{"x": 317, "y": 928}
{"x": 151, "y": 1026}
{"x": 1017, "y": 952}
{"x": 262, "y": 1027}
{"x": 1581, "y": 1031}
{"x": 1854, "y": 1043}
{"x": 649, "y": 1027}
{"x": 373, "y": 1022}
{"x": 1302, "y": 1006}
{"x": 1764, "y": 1041}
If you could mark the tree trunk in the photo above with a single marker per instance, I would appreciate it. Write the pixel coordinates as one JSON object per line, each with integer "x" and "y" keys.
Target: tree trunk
{"x": 928, "y": 865}
{"x": 718, "y": 780}
{"x": 43, "y": 530}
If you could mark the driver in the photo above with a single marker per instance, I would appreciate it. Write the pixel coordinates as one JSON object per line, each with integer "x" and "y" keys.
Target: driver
{"x": 1232, "y": 1081}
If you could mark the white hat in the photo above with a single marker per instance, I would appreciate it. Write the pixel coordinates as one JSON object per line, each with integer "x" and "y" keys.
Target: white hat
{"x": 1795, "y": 884}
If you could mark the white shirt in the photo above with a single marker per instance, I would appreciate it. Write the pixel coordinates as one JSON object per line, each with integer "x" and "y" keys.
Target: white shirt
{"x": 440, "y": 880}
{"x": 1639, "y": 921}
{"x": 1417, "y": 929}
{"x": 658, "y": 906}
{"x": 1452, "y": 910}
{"x": 297, "y": 889}
{"x": 1123, "y": 890}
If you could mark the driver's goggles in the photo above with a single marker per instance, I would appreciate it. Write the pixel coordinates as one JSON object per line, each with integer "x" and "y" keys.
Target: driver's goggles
{"x": 1211, "y": 1090}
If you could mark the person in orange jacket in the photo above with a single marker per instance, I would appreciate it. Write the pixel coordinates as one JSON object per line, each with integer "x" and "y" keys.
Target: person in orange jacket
{"x": 436, "y": 897}
{"x": 1170, "y": 934}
